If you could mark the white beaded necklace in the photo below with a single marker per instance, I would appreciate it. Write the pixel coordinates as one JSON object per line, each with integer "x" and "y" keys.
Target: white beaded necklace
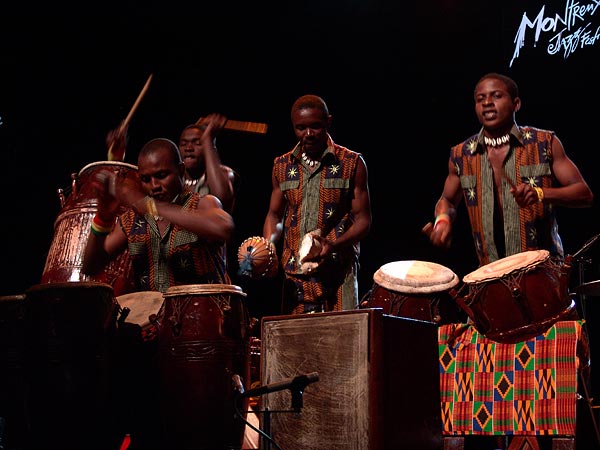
{"x": 311, "y": 162}
{"x": 496, "y": 142}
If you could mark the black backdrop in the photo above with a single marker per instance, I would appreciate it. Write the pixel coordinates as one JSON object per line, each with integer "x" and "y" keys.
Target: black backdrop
{"x": 398, "y": 79}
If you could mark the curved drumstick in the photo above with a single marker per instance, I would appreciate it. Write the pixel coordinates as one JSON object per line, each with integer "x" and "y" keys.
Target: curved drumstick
{"x": 125, "y": 123}
{"x": 237, "y": 125}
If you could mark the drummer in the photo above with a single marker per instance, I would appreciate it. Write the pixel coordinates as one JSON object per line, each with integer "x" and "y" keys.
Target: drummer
{"x": 512, "y": 177}
{"x": 319, "y": 187}
{"x": 174, "y": 237}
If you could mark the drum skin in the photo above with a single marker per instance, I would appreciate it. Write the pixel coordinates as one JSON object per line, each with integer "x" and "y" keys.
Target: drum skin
{"x": 204, "y": 339}
{"x": 417, "y": 290}
{"x": 518, "y": 297}
{"x": 72, "y": 229}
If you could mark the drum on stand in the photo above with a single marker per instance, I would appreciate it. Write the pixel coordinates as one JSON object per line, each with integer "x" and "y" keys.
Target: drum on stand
{"x": 67, "y": 327}
{"x": 72, "y": 229}
{"x": 415, "y": 290}
{"x": 204, "y": 339}
{"x": 518, "y": 297}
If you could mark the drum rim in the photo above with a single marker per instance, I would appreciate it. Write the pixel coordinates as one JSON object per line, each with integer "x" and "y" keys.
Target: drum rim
{"x": 381, "y": 280}
{"x": 543, "y": 255}
{"x": 112, "y": 163}
{"x": 209, "y": 288}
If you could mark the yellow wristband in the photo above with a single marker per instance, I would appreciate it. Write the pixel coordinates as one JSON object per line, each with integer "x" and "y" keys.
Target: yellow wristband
{"x": 540, "y": 193}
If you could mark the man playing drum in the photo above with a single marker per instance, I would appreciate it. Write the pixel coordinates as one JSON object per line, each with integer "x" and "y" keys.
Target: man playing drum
{"x": 175, "y": 237}
{"x": 511, "y": 178}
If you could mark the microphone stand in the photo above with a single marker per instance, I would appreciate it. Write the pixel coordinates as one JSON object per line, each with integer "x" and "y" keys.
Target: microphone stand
{"x": 295, "y": 385}
{"x": 582, "y": 261}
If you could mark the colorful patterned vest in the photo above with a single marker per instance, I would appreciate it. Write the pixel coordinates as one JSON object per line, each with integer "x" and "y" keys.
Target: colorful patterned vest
{"x": 321, "y": 200}
{"x": 179, "y": 257}
{"x": 529, "y": 161}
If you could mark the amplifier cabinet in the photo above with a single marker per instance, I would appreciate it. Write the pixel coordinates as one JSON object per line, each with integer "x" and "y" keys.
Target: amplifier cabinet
{"x": 378, "y": 386}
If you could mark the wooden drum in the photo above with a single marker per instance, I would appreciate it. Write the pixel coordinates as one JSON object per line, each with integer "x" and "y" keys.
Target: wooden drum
{"x": 72, "y": 228}
{"x": 518, "y": 297}
{"x": 204, "y": 339}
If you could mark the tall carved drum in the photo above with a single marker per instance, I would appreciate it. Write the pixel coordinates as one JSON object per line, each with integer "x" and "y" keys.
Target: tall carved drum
{"x": 204, "y": 339}
{"x": 72, "y": 228}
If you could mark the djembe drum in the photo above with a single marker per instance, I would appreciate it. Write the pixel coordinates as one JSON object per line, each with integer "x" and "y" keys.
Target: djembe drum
{"x": 518, "y": 297}
{"x": 415, "y": 290}
{"x": 204, "y": 339}
{"x": 72, "y": 229}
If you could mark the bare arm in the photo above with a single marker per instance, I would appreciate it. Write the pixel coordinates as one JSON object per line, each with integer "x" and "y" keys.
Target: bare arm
{"x": 572, "y": 190}
{"x": 219, "y": 178}
{"x": 273, "y": 221}
{"x": 440, "y": 231}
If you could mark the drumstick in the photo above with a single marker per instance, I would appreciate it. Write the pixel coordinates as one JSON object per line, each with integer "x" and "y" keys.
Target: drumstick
{"x": 237, "y": 125}
{"x": 125, "y": 123}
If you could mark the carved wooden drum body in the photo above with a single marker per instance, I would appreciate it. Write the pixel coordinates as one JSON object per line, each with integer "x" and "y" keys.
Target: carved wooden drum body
{"x": 72, "y": 228}
{"x": 204, "y": 339}
{"x": 519, "y": 296}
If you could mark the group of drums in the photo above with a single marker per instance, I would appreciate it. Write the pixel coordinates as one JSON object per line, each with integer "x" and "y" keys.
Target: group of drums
{"x": 68, "y": 385}
{"x": 509, "y": 300}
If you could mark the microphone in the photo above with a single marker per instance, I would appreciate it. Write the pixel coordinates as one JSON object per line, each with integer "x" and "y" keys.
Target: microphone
{"x": 297, "y": 383}
{"x": 238, "y": 386}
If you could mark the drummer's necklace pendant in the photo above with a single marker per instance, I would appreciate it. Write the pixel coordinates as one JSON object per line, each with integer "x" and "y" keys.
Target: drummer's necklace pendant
{"x": 311, "y": 162}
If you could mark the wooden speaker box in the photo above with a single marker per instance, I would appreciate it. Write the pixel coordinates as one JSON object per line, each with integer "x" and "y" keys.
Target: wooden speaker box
{"x": 378, "y": 386}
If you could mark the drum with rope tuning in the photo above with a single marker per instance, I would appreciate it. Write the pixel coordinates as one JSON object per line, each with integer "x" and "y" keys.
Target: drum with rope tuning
{"x": 204, "y": 339}
{"x": 415, "y": 290}
{"x": 518, "y": 297}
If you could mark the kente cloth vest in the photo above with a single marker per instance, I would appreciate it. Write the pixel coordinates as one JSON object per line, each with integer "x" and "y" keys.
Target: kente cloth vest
{"x": 528, "y": 161}
{"x": 179, "y": 257}
{"x": 318, "y": 200}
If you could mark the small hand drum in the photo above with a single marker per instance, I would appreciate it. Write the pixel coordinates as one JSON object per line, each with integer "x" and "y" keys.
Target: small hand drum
{"x": 257, "y": 258}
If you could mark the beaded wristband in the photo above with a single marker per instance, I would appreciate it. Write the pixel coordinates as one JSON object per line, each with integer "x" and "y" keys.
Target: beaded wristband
{"x": 540, "y": 193}
{"x": 99, "y": 227}
{"x": 442, "y": 217}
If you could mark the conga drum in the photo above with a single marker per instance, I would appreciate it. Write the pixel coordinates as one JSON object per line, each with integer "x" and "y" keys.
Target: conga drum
{"x": 72, "y": 229}
{"x": 67, "y": 328}
{"x": 518, "y": 297}
{"x": 415, "y": 290}
{"x": 204, "y": 339}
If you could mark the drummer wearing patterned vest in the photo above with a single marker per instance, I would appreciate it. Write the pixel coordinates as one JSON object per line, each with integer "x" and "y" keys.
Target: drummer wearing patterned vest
{"x": 320, "y": 203}
{"x": 511, "y": 177}
{"x": 174, "y": 238}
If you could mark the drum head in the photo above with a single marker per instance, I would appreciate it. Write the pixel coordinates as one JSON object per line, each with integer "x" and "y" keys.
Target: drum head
{"x": 504, "y": 266}
{"x": 201, "y": 289}
{"x": 141, "y": 306}
{"x": 415, "y": 277}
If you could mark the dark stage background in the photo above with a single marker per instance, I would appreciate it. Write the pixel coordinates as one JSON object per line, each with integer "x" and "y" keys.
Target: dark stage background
{"x": 398, "y": 78}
